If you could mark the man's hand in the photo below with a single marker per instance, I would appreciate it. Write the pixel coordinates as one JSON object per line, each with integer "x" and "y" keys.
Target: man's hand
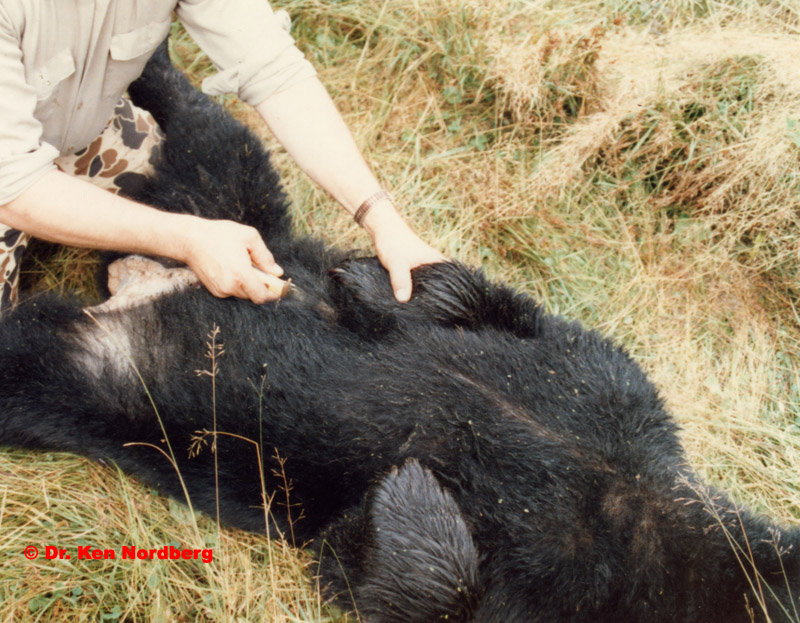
{"x": 230, "y": 259}
{"x": 399, "y": 249}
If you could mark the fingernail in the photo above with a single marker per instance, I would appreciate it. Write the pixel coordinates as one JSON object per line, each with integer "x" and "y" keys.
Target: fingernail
{"x": 402, "y": 295}
{"x": 278, "y": 270}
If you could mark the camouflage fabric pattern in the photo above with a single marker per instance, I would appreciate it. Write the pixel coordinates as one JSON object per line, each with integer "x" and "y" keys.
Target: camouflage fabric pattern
{"x": 12, "y": 246}
{"x": 120, "y": 158}
{"x": 123, "y": 155}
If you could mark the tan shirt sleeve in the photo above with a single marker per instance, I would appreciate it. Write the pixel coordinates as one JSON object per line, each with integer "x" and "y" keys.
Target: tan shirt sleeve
{"x": 24, "y": 157}
{"x": 249, "y": 43}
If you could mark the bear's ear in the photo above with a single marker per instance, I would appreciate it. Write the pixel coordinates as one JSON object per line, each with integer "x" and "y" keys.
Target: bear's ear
{"x": 448, "y": 293}
{"x": 455, "y": 295}
{"x": 421, "y": 564}
{"x": 362, "y": 297}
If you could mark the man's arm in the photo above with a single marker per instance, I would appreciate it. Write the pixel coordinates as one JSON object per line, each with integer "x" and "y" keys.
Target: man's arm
{"x": 259, "y": 61}
{"x": 62, "y": 209}
{"x": 305, "y": 121}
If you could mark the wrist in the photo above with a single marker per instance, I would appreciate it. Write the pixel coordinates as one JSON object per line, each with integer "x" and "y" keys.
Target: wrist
{"x": 180, "y": 235}
{"x": 376, "y": 197}
{"x": 382, "y": 217}
{"x": 378, "y": 213}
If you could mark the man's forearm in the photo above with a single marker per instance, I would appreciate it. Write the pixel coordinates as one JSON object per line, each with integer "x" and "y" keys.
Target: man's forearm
{"x": 62, "y": 209}
{"x": 306, "y": 122}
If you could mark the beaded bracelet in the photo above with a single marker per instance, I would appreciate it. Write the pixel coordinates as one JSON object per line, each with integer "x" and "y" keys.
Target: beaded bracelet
{"x": 370, "y": 201}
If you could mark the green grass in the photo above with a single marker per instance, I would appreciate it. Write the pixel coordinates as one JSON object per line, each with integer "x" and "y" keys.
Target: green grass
{"x": 634, "y": 165}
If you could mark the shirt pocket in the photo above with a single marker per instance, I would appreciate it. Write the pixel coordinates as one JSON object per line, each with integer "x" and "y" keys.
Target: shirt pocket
{"x": 128, "y": 54}
{"x": 46, "y": 78}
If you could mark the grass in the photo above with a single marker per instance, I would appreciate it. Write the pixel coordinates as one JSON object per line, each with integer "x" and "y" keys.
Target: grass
{"x": 632, "y": 164}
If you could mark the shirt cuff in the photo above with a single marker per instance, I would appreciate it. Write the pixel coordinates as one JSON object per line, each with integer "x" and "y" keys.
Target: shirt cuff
{"x": 20, "y": 172}
{"x": 271, "y": 67}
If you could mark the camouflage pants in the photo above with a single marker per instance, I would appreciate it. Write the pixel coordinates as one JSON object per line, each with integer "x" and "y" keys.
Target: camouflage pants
{"x": 119, "y": 159}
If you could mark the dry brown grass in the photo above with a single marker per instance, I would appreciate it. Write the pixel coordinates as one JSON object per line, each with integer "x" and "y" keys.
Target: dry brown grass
{"x": 634, "y": 165}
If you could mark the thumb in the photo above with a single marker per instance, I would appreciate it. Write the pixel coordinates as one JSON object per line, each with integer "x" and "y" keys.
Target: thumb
{"x": 400, "y": 276}
{"x": 263, "y": 259}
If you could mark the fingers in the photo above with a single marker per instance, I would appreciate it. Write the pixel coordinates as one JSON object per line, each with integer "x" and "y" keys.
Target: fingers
{"x": 261, "y": 257}
{"x": 400, "y": 257}
{"x": 255, "y": 289}
{"x": 223, "y": 283}
{"x": 400, "y": 275}
{"x": 275, "y": 285}
{"x": 232, "y": 260}
{"x": 252, "y": 283}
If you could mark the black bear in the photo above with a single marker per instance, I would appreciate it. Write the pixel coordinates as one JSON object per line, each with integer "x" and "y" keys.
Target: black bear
{"x": 461, "y": 457}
